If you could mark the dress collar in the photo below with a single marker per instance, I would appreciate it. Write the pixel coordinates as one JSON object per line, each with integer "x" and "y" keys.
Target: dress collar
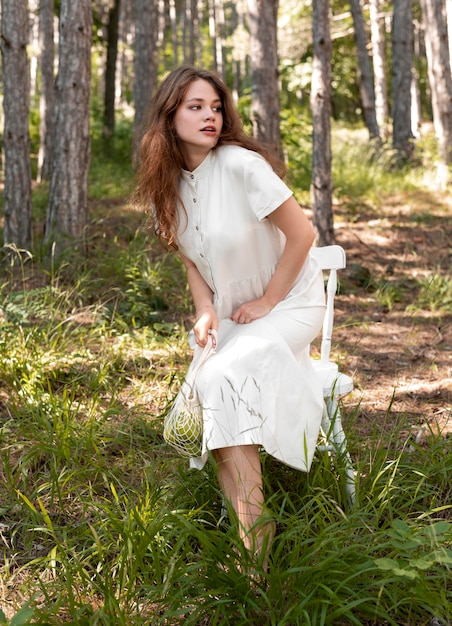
{"x": 201, "y": 170}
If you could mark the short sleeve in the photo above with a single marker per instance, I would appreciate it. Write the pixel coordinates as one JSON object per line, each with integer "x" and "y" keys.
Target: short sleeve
{"x": 265, "y": 190}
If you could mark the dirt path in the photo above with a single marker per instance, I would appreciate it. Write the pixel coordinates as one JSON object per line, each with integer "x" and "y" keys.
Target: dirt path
{"x": 397, "y": 346}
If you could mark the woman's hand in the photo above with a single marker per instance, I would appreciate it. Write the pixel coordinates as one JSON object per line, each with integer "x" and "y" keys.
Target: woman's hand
{"x": 250, "y": 311}
{"x": 206, "y": 320}
{"x": 206, "y": 316}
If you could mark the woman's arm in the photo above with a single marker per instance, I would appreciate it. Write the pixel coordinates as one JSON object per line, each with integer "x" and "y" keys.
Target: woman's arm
{"x": 206, "y": 317}
{"x": 289, "y": 217}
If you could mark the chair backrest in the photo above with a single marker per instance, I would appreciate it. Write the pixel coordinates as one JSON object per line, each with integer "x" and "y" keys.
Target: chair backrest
{"x": 331, "y": 259}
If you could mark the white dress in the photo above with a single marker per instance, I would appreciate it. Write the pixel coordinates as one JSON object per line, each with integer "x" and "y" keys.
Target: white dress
{"x": 259, "y": 387}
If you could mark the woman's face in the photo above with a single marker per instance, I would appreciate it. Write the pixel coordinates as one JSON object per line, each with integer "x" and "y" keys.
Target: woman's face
{"x": 198, "y": 122}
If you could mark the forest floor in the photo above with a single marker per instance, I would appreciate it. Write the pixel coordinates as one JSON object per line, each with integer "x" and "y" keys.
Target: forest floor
{"x": 397, "y": 347}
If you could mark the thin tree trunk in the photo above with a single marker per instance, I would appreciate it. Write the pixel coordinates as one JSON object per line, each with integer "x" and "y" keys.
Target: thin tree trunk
{"x": 265, "y": 106}
{"x": 161, "y": 20}
{"x": 173, "y": 22}
{"x": 402, "y": 62}
{"x": 379, "y": 64}
{"x": 192, "y": 39}
{"x": 415, "y": 104}
{"x": 449, "y": 27}
{"x": 365, "y": 72}
{"x": 235, "y": 60}
{"x": 16, "y": 140}
{"x": 239, "y": 41}
{"x": 213, "y": 33}
{"x": 439, "y": 72}
{"x": 110, "y": 69}
{"x": 197, "y": 25}
{"x": 47, "y": 95}
{"x": 124, "y": 64}
{"x": 67, "y": 213}
{"x": 33, "y": 49}
{"x": 321, "y": 184}
{"x": 145, "y": 62}
{"x": 189, "y": 33}
{"x": 219, "y": 39}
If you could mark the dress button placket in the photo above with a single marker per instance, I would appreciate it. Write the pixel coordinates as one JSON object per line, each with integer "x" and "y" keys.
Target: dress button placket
{"x": 197, "y": 217}
{"x": 199, "y": 239}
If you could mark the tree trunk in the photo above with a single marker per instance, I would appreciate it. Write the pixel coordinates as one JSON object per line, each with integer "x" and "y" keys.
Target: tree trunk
{"x": 191, "y": 15}
{"x": 365, "y": 72}
{"x": 124, "y": 65}
{"x": 219, "y": 38}
{"x": 321, "y": 185}
{"x": 439, "y": 73}
{"x": 197, "y": 26}
{"x": 173, "y": 23}
{"x": 213, "y": 32}
{"x": 416, "y": 117}
{"x": 16, "y": 140}
{"x": 33, "y": 47}
{"x": 191, "y": 32}
{"x": 145, "y": 62}
{"x": 265, "y": 107}
{"x": 47, "y": 95}
{"x": 238, "y": 38}
{"x": 110, "y": 69}
{"x": 402, "y": 61}
{"x": 449, "y": 27}
{"x": 67, "y": 213}
{"x": 379, "y": 64}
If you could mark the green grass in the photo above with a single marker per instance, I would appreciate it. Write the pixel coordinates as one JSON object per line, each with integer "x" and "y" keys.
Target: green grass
{"x": 101, "y": 524}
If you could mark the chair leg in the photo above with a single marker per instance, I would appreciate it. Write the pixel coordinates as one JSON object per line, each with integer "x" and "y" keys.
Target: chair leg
{"x": 337, "y": 441}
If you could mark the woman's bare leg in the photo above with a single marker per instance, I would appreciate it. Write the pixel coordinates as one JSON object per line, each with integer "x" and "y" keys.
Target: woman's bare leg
{"x": 240, "y": 478}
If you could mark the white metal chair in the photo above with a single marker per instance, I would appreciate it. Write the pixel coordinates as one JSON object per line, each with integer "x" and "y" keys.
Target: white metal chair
{"x": 335, "y": 384}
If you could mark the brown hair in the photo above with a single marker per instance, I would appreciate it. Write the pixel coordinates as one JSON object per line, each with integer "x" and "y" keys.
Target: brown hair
{"x": 159, "y": 157}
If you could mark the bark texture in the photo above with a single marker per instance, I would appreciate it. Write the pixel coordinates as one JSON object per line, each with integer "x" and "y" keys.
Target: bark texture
{"x": 439, "y": 73}
{"x": 145, "y": 61}
{"x": 110, "y": 68}
{"x": 16, "y": 140}
{"x": 67, "y": 213}
{"x": 321, "y": 185}
{"x": 402, "y": 61}
{"x": 47, "y": 95}
{"x": 265, "y": 106}
{"x": 379, "y": 63}
{"x": 366, "y": 86}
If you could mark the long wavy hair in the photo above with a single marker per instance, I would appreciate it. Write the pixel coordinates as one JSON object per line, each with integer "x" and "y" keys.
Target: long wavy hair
{"x": 159, "y": 158}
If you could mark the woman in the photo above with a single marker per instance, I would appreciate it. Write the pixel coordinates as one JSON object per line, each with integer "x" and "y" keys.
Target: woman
{"x": 217, "y": 197}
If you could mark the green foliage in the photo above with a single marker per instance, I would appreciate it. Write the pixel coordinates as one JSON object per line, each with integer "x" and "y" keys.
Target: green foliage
{"x": 361, "y": 169}
{"x": 21, "y": 618}
{"x": 345, "y": 98}
{"x": 111, "y": 170}
{"x": 296, "y": 136}
{"x": 435, "y": 294}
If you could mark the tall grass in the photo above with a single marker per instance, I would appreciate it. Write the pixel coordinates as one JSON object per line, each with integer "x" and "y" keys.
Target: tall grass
{"x": 100, "y": 523}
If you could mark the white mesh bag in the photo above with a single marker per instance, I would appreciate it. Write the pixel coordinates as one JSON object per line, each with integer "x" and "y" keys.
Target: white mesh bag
{"x": 183, "y": 424}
